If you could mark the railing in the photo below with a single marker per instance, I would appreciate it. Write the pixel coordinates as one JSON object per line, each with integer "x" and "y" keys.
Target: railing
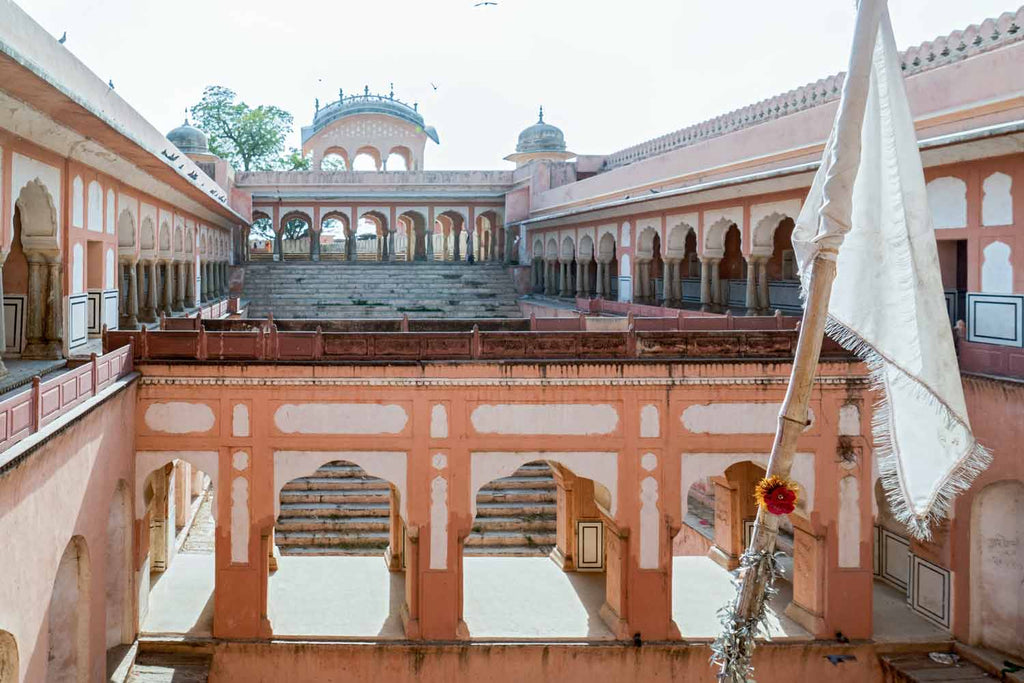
{"x": 547, "y": 338}
{"x": 31, "y": 409}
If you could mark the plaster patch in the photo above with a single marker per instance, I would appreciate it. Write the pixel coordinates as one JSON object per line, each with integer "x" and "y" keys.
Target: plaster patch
{"x": 77, "y": 203}
{"x": 340, "y": 418}
{"x": 390, "y": 466}
{"x": 147, "y": 461}
{"x": 240, "y": 460}
{"x": 438, "y": 421}
{"x": 625, "y": 235}
{"x": 94, "y": 222}
{"x": 240, "y": 520}
{"x": 698, "y": 466}
{"x": 178, "y": 417}
{"x": 240, "y": 420}
{"x": 649, "y": 535}
{"x": 650, "y": 427}
{"x": 439, "y": 523}
{"x": 848, "y": 523}
{"x": 735, "y": 418}
{"x": 545, "y": 418}
{"x": 108, "y": 273}
{"x": 947, "y": 200}
{"x": 601, "y": 466}
{"x": 77, "y": 269}
{"x": 440, "y": 461}
{"x": 649, "y": 462}
{"x": 996, "y": 269}
{"x": 110, "y": 212}
{"x": 849, "y": 420}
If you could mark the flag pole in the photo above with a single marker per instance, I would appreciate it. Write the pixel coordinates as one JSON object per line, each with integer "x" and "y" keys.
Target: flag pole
{"x": 758, "y": 570}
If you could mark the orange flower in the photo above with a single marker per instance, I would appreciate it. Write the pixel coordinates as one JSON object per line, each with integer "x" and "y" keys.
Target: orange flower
{"x": 776, "y": 495}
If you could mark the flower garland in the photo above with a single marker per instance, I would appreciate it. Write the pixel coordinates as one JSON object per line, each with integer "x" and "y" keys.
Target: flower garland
{"x": 776, "y": 495}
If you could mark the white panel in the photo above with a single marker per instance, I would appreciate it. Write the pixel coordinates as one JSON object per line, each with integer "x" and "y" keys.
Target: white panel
{"x": 649, "y": 523}
{"x": 947, "y": 200}
{"x": 930, "y": 594}
{"x": 110, "y": 212}
{"x": 109, "y": 270}
{"x": 438, "y": 421}
{"x": 78, "y": 319}
{"x": 895, "y": 559}
{"x": 95, "y": 222}
{"x": 110, "y": 312}
{"x": 240, "y": 520}
{"x": 997, "y": 200}
{"x": 848, "y": 524}
{"x": 735, "y": 418}
{"x": 77, "y": 269}
{"x": 545, "y": 418}
{"x": 590, "y": 545}
{"x": 77, "y": 203}
{"x": 849, "y": 420}
{"x": 996, "y": 269}
{"x": 240, "y": 420}
{"x": 995, "y": 319}
{"x": 650, "y": 422}
{"x": 340, "y": 418}
{"x": 439, "y": 523}
{"x": 14, "y": 321}
{"x": 179, "y": 417}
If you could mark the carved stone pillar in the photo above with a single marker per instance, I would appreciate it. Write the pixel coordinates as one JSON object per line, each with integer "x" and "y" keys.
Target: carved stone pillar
{"x": 751, "y": 293}
{"x": 508, "y": 246}
{"x": 391, "y": 245}
{"x": 179, "y": 286}
{"x": 55, "y": 314}
{"x": 35, "y": 308}
{"x": 278, "y": 236}
{"x": 705, "y": 284}
{"x": 204, "y": 281}
{"x": 716, "y": 284}
{"x": 763, "y": 295}
{"x": 132, "y": 301}
{"x": 190, "y": 284}
{"x": 581, "y": 280}
{"x": 168, "y": 288}
{"x": 607, "y": 280}
{"x": 456, "y": 252}
{"x": 469, "y": 246}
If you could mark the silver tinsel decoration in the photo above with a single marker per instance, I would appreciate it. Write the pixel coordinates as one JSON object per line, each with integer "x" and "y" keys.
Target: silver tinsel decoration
{"x": 734, "y": 648}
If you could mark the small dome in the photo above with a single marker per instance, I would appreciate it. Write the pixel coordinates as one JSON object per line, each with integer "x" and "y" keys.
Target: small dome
{"x": 189, "y": 139}
{"x": 541, "y": 137}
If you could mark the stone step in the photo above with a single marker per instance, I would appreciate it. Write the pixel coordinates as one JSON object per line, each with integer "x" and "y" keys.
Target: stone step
{"x": 518, "y": 495}
{"x": 152, "y": 667}
{"x": 332, "y": 510}
{"x": 519, "y": 483}
{"x": 290, "y": 524}
{"x": 507, "y": 551}
{"x": 510, "y": 538}
{"x": 337, "y": 484}
{"x": 540, "y": 523}
{"x": 513, "y": 509}
{"x": 347, "y": 539}
{"x": 372, "y": 495}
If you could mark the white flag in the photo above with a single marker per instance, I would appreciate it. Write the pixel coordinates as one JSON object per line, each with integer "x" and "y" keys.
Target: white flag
{"x": 869, "y": 202}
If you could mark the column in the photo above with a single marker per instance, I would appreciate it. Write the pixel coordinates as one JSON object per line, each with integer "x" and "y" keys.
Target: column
{"x": 179, "y": 286}
{"x": 507, "y": 257}
{"x": 549, "y": 277}
{"x": 204, "y": 281}
{"x": 132, "y": 304}
{"x": 168, "y": 283}
{"x": 391, "y": 245}
{"x": 277, "y": 244}
{"x": 55, "y": 316}
{"x": 716, "y": 283}
{"x": 314, "y": 245}
{"x": 677, "y": 283}
{"x": 751, "y": 293}
{"x": 607, "y": 280}
{"x": 456, "y": 256}
{"x": 469, "y": 247}
{"x": 705, "y": 284}
{"x": 190, "y": 284}
{"x": 35, "y": 308}
{"x": 763, "y": 295}
{"x": 581, "y": 280}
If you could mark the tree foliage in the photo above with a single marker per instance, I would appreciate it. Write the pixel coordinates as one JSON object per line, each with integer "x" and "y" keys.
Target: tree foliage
{"x": 248, "y": 137}
{"x": 294, "y": 161}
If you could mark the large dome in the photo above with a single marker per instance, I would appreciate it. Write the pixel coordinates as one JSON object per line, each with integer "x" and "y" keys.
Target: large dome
{"x": 189, "y": 139}
{"x": 541, "y": 137}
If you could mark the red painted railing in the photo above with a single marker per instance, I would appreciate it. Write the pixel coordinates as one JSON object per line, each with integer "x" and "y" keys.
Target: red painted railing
{"x": 262, "y": 340}
{"x": 41, "y": 403}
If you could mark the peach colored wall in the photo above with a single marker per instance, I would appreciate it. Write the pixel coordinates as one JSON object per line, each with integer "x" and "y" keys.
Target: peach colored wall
{"x": 327, "y": 663}
{"x": 592, "y": 391}
{"x": 63, "y": 488}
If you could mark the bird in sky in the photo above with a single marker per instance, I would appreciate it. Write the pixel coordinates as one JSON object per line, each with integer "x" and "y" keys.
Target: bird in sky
{"x": 433, "y": 86}
{"x": 484, "y": 4}
{"x": 63, "y": 38}
{"x": 111, "y": 83}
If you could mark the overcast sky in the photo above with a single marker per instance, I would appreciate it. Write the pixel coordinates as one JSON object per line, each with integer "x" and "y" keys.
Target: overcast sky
{"x": 609, "y": 74}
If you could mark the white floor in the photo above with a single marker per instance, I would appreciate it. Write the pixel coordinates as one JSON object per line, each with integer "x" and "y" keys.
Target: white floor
{"x": 700, "y": 587}
{"x": 530, "y": 597}
{"x": 182, "y": 599}
{"x": 893, "y": 619}
{"x": 336, "y": 596}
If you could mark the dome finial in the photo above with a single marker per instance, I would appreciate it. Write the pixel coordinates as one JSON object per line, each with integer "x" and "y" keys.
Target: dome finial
{"x": 186, "y": 116}
{"x": 366, "y": 90}
{"x": 391, "y": 95}
{"x": 540, "y": 118}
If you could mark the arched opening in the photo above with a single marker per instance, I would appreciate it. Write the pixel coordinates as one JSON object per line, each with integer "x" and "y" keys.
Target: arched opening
{"x": 587, "y": 272}
{"x": 732, "y": 271}
{"x": 33, "y": 269}
{"x": 608, "y": 268}
{"x": 367, "y": 159}
{"x": 718, "y": 519}
{"x": 552, "y": 282}
{"x": 997, "y": 551}
{"x": 334, "y": 236}
{"x": 116, "y": 567}
{"x": 9, "y": 663}
{"x": 453, "y": 235}
{"x": 647, "y": 276}
{"x": 177, "y": 503}
{"x": 297, "y": 236}
{"x": 67, "y": 656}
{"x": 537, "y": 266}
{"x": 781, "y": 288}
{"x": 418, "y": 246}
{"x": 261, "y": 236}
{"x": 339, "y": 547}
{"x": 533, "y": 564}
{"x": 371, "y": 237}
{"x": 334, "y": 159}
{"x": 399, "y": 159}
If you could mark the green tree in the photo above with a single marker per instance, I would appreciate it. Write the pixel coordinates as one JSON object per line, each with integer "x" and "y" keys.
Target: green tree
{"x": 248, "y": 137}
{"x": 294, "y": 161}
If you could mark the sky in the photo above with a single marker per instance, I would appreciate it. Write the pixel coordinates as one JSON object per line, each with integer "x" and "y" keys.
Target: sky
{"x": 609, "y": 74}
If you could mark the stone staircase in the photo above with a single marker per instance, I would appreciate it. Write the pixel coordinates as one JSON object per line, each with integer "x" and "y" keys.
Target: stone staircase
{"x": 340, "y": 510}
{"x": 157, "y": 667}
{"x": 379, "y": 290}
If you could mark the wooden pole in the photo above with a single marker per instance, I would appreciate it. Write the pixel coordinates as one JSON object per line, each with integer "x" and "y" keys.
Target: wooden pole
{"x": 792, "y": 422}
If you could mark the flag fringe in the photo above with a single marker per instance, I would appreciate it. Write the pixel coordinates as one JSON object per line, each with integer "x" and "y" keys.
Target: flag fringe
{"x": 733, "y": 650}
{"x": 960, "y": 477}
